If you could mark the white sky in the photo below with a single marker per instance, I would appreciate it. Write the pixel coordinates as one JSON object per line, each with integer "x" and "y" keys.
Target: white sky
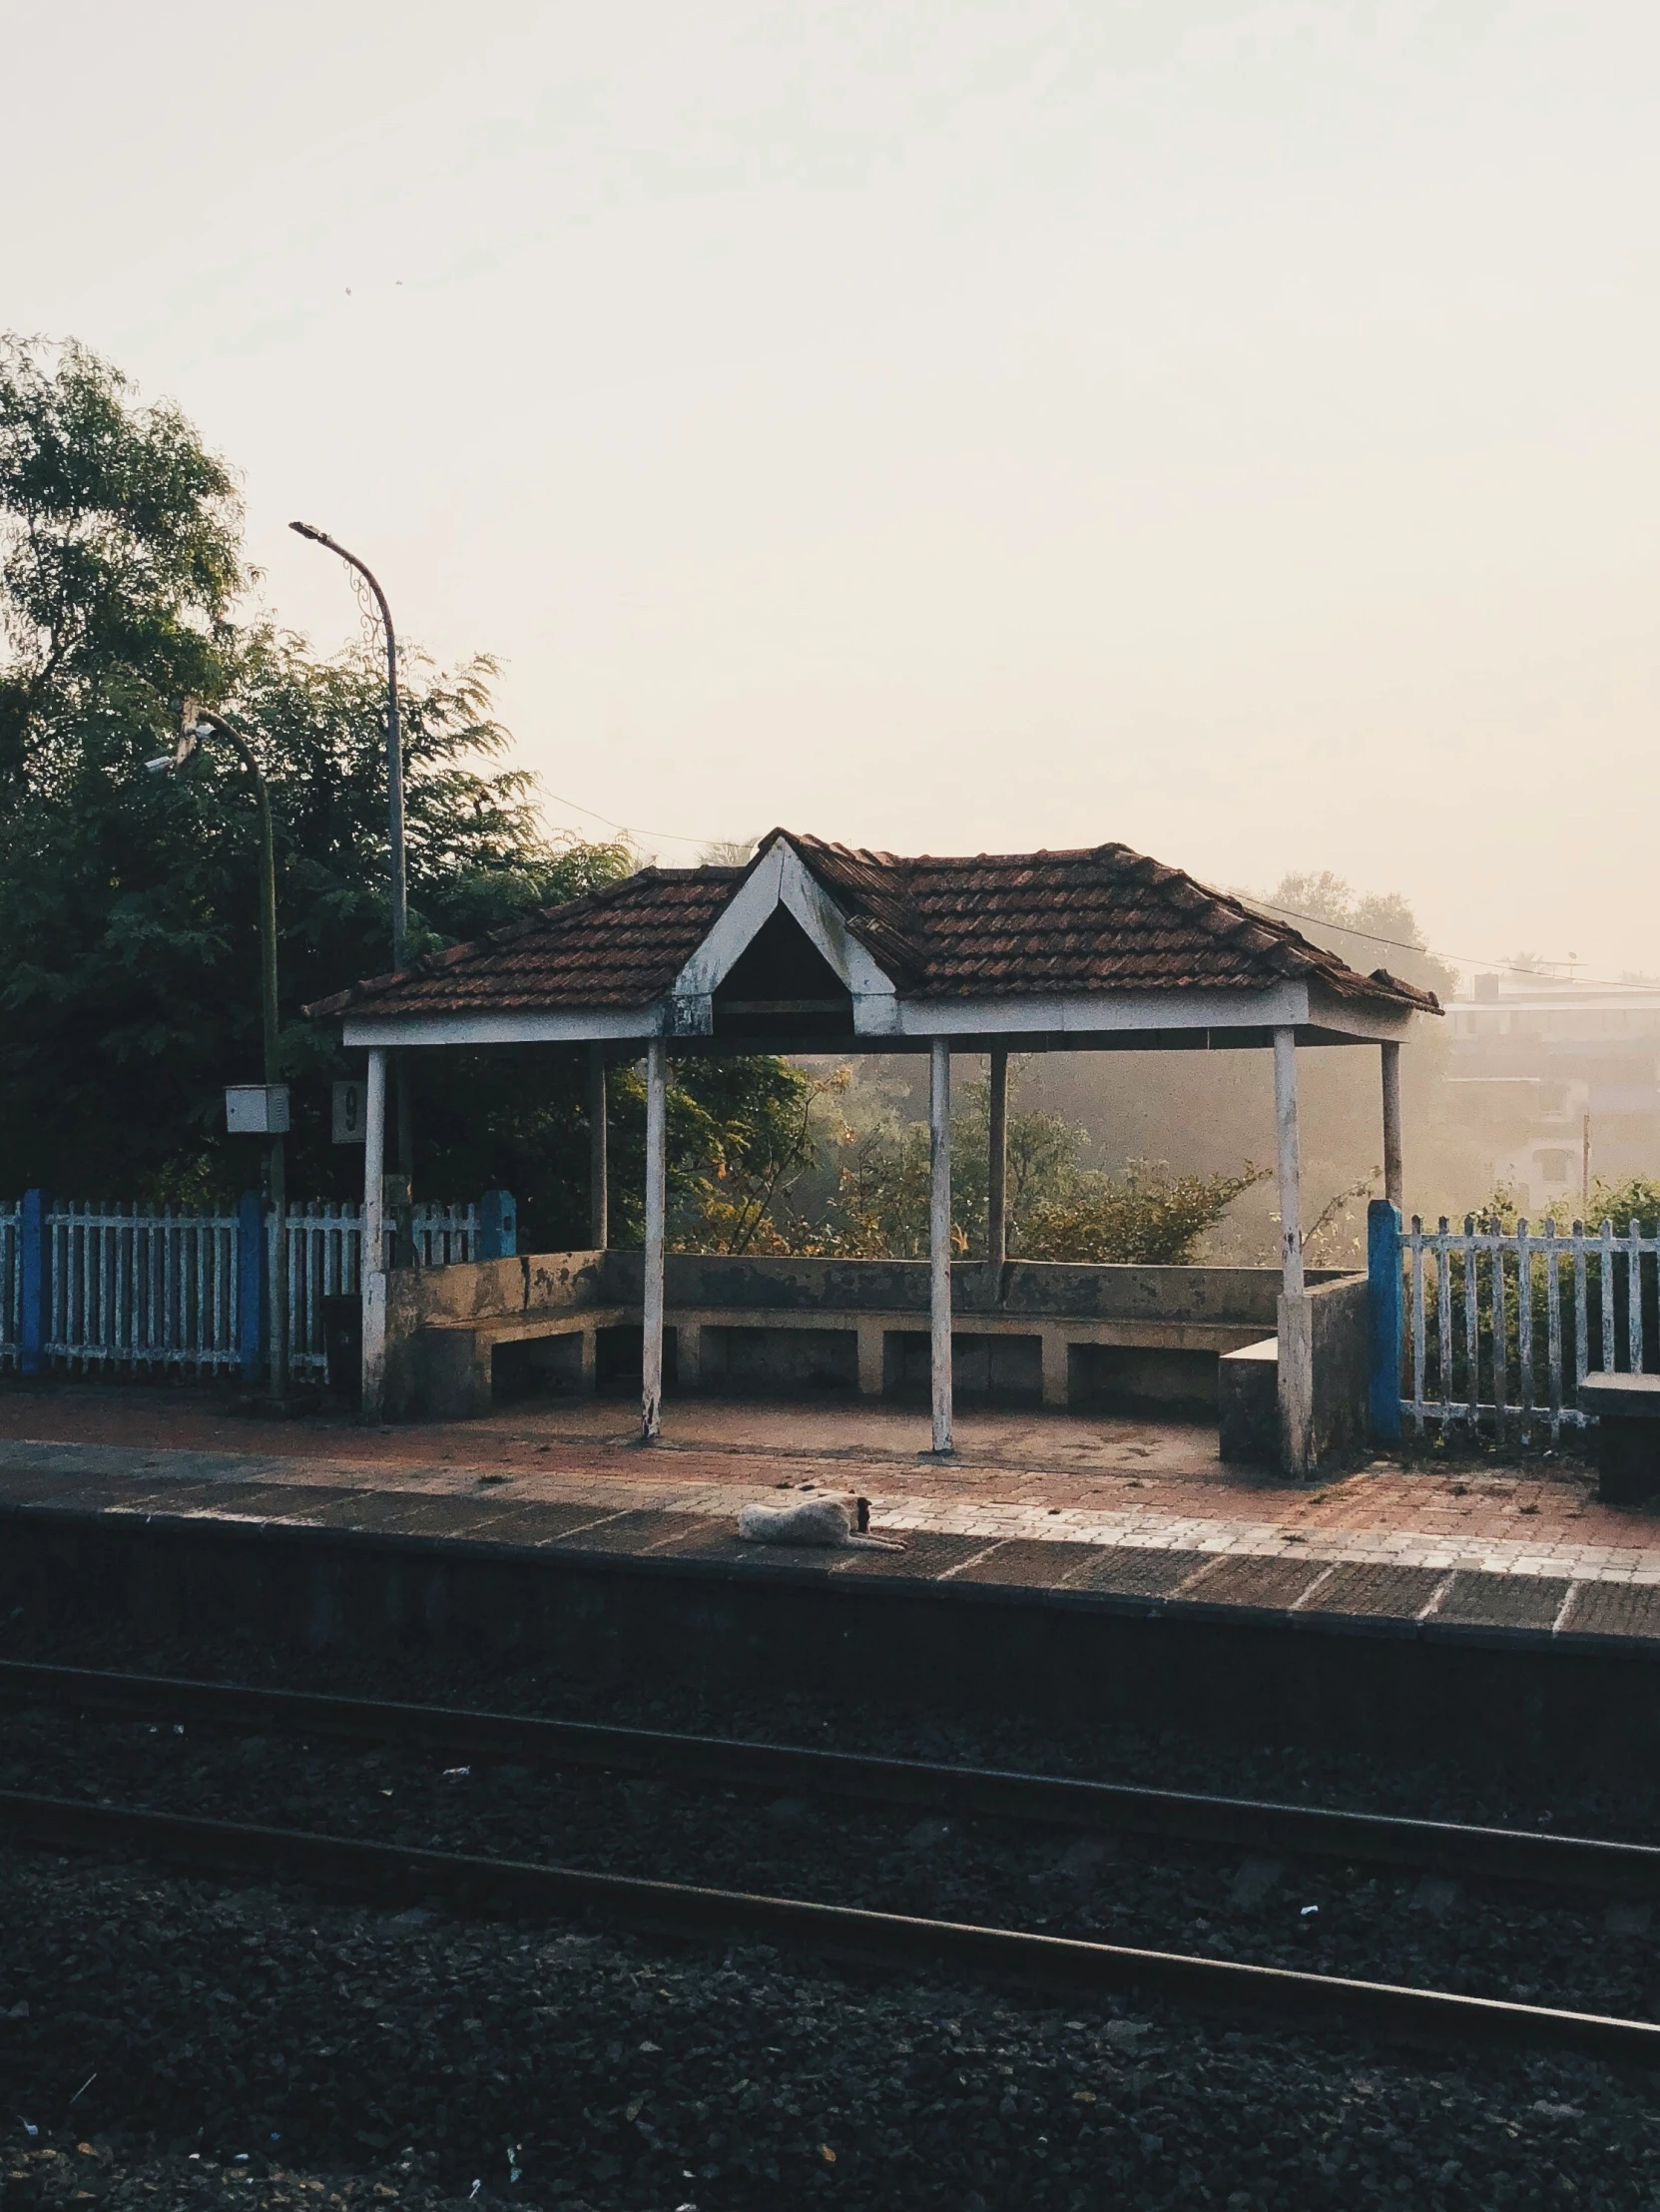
{"x": 950, "y": 427}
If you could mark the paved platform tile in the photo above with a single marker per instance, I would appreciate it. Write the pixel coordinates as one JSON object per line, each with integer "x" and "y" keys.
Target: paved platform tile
{"x": 1240, "y": 1580}
{"x": 366, "y": 1512}
{"x": 1031, "y": 1563}
{"x": 44, "y": 1485}
{"x": 260, "y": 1501}
{"x": 927, "y": 1554}
{"x": 99, "y": 1497}
{"x": 1503, "y": 1600}
{"x": 1614, "y": 1609}
{"x": 1131, "y": 1572}
{"x": 1369, "y": 1589}
{"x": 532, "y": 1522}
{"x": 713, "y": 1541}
{"x": 623, "y": 1534}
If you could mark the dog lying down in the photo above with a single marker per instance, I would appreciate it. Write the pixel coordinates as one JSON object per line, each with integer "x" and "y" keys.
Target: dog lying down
{"x": 827, "y": 1517}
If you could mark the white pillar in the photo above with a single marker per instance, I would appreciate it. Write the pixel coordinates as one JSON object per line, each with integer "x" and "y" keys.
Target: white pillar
{"x": 997, "y": 1170}
{"x": 373, "y": 1253}
{"x": 598, "y": 1209}
{"x": 1285, "y": 1122}
{"x": 1295, "y": 1318}
{"x": 651, "y": 1354}
{"x": 1393, "y": 1180}
{"x": 939, "y": 1239}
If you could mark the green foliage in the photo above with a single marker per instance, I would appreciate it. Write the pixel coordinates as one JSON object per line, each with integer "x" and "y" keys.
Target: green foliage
{"x": 129, "y": 938}
{"x": 1145, "y": 1215}
{"x": 1635, "y": 1198}
{"x": 118, "y": 560}
{"x": 741, "y": 1134}
{"x": 1058, "y": 1209}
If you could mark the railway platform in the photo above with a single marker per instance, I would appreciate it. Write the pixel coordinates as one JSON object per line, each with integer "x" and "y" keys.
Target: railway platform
{"x": 1091, "y": 1566}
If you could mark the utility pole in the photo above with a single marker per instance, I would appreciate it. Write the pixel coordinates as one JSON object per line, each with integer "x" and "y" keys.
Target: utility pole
{"x": 197, "y": 723}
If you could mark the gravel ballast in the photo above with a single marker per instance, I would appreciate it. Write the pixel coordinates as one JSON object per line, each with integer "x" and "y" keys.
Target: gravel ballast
{"x": 350, "y": 2058}
{"x": 418, "y": 2054}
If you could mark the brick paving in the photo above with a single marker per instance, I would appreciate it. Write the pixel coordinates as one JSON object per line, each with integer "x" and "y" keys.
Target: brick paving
{"x": 1124, "y": 1485}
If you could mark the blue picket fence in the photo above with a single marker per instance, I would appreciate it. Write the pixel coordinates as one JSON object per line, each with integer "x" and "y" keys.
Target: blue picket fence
{"x": 88, "y": 1287}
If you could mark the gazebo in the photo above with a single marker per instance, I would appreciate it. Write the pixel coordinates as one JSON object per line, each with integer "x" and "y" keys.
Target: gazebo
{"x": 816, "y": 949}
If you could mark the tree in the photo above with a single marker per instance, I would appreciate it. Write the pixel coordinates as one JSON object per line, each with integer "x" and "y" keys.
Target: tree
{"x": 1368, "y": 930}
{"x": 120, "y": 558}
{"x": 1058, "y": 1208}
{"x": 129, "y": 944}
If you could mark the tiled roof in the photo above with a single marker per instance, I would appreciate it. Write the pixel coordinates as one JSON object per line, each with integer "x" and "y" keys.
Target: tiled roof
{"x": 1023, "y": 925}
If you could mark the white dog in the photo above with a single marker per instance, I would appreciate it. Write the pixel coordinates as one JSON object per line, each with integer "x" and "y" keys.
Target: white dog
{"x": 827, "y": 1517}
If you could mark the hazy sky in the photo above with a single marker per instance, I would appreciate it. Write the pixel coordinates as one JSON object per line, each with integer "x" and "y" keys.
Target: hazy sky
{"x": 1228, "y": 428}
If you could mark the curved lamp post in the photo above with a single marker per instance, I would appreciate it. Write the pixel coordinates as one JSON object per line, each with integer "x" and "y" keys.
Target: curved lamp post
{"x": 394, "y": 741}
{"x": 196, "y": 724}
{"x": 400, "y": 883}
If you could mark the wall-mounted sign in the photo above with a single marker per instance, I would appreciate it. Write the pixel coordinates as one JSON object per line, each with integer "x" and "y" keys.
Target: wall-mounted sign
{"x": 350, "y": 1103}
{"x": 257, "y": 1109}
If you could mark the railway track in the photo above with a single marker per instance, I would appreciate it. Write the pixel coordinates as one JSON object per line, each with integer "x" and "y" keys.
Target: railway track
{"x": 393, "y": 1874}
{"x": 847, "y": 1935}
{"x": 978, "y": 1793}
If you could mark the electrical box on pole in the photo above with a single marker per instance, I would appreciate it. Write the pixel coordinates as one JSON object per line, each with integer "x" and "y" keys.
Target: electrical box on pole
{"x": 257, "y": 1109}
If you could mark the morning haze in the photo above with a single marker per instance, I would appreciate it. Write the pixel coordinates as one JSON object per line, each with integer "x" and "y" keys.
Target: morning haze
{"x": 1224, "y": 428}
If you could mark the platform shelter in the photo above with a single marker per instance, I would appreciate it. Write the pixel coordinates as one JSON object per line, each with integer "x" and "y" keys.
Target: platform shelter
{"x": 816, "y": 948}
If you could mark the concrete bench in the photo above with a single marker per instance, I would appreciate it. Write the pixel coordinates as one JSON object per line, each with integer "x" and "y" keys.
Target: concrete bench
{"x": 1248, "y": 1403}
{"x": 706, "y": 1338}
{"x": 716, "y": 1347}
{"x": 457, "y": 1357}
{"x": 1627, "y": 1409}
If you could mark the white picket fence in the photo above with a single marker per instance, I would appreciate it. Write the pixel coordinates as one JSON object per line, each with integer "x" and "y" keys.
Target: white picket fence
{"x": 141, "y": 1289}
{"x": 125, "y": 1288}
{"x": 1503, "y": 1326}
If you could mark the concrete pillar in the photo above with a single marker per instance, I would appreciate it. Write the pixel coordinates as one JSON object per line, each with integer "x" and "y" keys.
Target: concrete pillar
{"x": 1294, "y": 1328}
{"x": 650, "y": 1356}
{"x": 872, "y": 1358}
{"x": 997, "y": 1171}
{"x": 1392, "y": 1178}
{"x": 688, "y": 1356}
{"x": 374, "y": 1255}
{"x": 599, "y": 1181}
{"x": 1285, "y": 1129}
{"x": 939, "y": 1239}
{"x": 1058, "y": 1368}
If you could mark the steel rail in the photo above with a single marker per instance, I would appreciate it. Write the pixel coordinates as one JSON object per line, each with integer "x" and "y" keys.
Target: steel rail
{"x": 979, "y": 1793}
{"x": 844, "y": 1934}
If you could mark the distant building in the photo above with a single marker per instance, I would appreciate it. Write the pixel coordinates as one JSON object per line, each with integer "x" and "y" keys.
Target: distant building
{"x": 1557, "y": 1083}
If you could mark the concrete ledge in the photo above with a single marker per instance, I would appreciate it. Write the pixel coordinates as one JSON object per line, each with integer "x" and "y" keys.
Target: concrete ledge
{"x": 632, "y": 1593}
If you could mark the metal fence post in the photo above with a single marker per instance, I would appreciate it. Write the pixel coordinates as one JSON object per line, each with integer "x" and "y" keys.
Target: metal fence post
{"x": 498, "y": 1226}
{"x": 1387, "y": 1318}
{"x": 253, "y": 1286}
{"x": 33, "y": 1263}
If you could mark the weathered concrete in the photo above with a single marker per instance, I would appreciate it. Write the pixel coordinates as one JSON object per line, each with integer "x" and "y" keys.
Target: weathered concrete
{"x": 1284, "y": 1648}
{"x": 1627, "y": 1409}
{"x": 1248, "y": 1408}
{"x": 1114, "y": 1337}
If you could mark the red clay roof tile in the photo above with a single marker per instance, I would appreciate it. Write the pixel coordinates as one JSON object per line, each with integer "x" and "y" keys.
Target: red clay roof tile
{"x": 997, "y": 925}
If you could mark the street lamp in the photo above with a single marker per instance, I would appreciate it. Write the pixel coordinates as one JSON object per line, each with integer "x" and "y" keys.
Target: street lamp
{"x": 196, "y": 723}
{"x": 400, "y": 882}
{"x": 395, "y": 742}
